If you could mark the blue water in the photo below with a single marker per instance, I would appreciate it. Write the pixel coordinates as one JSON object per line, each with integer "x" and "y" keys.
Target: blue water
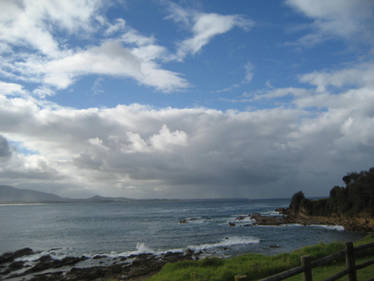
{"x": 114, "y": 228}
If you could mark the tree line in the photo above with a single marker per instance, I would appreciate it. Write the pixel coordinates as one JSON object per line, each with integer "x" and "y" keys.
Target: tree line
{"x": 356, "y": 198}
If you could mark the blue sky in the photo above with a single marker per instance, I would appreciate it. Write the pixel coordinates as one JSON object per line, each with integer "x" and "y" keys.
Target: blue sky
{"x": 185, "y": 98}
{"x": 216, "y": 72}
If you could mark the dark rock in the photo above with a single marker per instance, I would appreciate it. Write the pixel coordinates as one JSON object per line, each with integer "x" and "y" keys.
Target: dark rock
{"x": 231, "y": 223}
{"x": 51, "y": 276}
{"x": 11, "y": 256}
{"x": 83, "y": 274}
{"x": 16, "y": 265}
{"x": 189, "y": 252}
{"x": 47, "y": 262}
{"x": 240, "y": 218}
{"x": 173, "y": 257}
{"x": 117, "y": 269}
{"x": 44, "y": 259}
{"x": 269, "y": 220}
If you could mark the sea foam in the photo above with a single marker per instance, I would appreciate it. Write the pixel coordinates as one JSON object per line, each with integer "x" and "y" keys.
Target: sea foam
{"x": 330, "y": 227}
{"x": 226, "y": 242}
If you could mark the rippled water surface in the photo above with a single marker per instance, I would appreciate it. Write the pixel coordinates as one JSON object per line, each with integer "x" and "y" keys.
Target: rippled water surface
{"x": 122, "y": 228}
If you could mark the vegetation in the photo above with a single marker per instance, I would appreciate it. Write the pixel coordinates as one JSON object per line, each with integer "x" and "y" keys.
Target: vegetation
{"x": 324, "y": 272}
{"x": 255, "y": 266}
{"x": 356, "y": 198}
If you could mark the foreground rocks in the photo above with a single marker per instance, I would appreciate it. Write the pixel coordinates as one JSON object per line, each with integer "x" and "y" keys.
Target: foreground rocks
{"x": 11, "y": 256}
{"x": 17, "y": 266}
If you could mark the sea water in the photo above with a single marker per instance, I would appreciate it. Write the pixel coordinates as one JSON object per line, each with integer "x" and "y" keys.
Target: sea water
{"x": 125, "y": 228}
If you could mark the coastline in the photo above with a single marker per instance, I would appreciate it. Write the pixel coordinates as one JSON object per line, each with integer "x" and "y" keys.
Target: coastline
{"x": 356, "y": 224}
{"x": 26, "y": 264}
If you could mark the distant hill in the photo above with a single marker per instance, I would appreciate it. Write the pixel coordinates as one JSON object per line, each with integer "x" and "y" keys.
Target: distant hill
{"x": 98, "y": 198}
{"x": 10, "y": 194}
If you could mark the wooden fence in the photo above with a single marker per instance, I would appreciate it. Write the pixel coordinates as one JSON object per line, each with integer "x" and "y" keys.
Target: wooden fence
{"x": 307, "y": 265}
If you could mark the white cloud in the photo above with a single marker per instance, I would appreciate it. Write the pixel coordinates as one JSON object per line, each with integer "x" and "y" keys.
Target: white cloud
{"x": 43, "y": 92}
{"x": 192, "y": 152}
{"x": 118, "y": 26}
{"x": 32, "y": 23}
{"x": 166, "y": 140}
{"x": 48, "y": 34}
{"x": 132, "y": 36}
{"x": 347, "y": 19}
{"x": 282, "y": 92}
{"x": 204, "y": 27}
{"x": 48, "y": 60}
{"x": 10, "y": 88}
{"x": 248, "y": 72}
{"x": 358, "y": 75}
{"x": 110, "y": 58}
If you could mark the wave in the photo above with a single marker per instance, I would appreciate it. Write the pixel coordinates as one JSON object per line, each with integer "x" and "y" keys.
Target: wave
{"x": 329, "y": 227}
{"x": 239, "y": 220}
{"x": 281, "y": 225}
{"x": 271, "y": 213}
{"x": 226, "y": 242}
{"x": 57, "y": 254}
{"x": 142, "y": 248}
{"x": 195, "y": 220}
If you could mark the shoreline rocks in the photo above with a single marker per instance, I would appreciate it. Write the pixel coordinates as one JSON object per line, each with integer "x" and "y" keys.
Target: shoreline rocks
{"x": 11, "y": 256}
{"x": 360, "y": 224}
{"x": 85, "y": 268}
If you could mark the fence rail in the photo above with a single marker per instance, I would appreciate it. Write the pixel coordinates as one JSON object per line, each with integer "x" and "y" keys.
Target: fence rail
{"x": 307, "y": 265}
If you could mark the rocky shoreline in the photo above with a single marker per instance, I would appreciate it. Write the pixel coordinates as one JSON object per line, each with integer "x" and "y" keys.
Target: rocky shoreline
{"x": 22, "y": 265}
{"x": 360, "y": 224}
{"x": 26, "y": 264}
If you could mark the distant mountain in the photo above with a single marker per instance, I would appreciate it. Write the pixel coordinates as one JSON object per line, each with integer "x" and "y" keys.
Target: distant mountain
{"x": 10, "y": 194}
{"x": 98, "y": 198}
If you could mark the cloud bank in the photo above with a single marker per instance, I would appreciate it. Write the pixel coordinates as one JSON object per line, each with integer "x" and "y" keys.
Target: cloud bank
{"x": 307, "y": 137}
{"x": 140, "y": 151}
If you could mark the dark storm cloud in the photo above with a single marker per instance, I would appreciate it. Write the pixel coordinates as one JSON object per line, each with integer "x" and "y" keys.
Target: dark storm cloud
{"x": 4, "y": 147}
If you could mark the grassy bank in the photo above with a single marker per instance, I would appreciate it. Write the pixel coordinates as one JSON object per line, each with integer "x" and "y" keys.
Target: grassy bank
{"x": 256, "y": 266}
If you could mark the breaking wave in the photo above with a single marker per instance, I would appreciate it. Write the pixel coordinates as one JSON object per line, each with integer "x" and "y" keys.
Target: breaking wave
{"x": 329, "y": 227}
{"x": 226, "y": 242}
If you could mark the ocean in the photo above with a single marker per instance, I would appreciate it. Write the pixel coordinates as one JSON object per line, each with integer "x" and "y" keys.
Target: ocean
{"x": 122, "y": 229}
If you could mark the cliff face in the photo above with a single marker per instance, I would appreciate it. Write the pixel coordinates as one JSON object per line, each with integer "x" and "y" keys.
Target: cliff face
{"x": 351, "y": 206}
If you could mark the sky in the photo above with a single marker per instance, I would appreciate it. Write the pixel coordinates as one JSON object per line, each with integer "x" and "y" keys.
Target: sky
{"x": 185, "y": 99}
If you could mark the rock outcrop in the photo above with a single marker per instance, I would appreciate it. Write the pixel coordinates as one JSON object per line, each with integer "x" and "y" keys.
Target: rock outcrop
{"x": 99, "y": 267}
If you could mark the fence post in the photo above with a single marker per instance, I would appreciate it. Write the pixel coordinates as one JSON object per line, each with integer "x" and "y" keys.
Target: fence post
{"x": 350, "y": 261}
{"x": 306, "y": 263}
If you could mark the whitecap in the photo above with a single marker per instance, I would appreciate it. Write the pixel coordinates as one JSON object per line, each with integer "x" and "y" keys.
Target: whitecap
{"x": 271, "y": 213}
{"x": 329, "y": 227}
{"x": 141, "y": 248}
{"x": 226, "y": 242}
{"x": 56, "y": 254}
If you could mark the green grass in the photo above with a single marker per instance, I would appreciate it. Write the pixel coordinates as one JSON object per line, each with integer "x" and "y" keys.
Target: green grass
{"x": 323, "y": 272}
{"x": 256, "y": 266}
